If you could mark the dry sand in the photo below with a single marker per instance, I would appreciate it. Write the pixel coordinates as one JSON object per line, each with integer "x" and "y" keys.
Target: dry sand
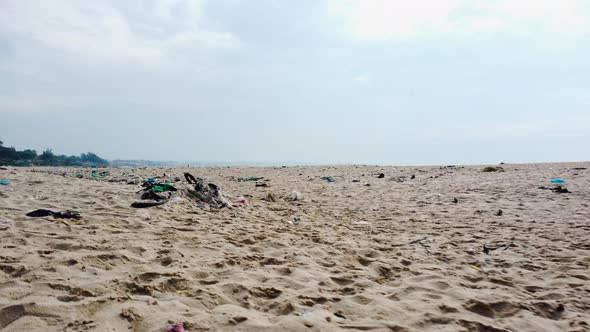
{"x": 347, "y": 266}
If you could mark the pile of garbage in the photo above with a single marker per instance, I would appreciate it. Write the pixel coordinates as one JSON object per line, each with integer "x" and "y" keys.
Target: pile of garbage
{"x": 156, "y": 193}
{"x": 209, "y": 194}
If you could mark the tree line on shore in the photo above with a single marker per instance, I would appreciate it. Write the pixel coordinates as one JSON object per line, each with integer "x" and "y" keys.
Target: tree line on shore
{"x": 12, "y": 157}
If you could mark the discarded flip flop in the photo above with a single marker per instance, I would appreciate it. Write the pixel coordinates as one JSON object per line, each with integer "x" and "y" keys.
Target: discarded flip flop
{"x": 190, "y": 178}
{"x": 558, "y": 189}
{"x": 67, "y": 215}
{"x": 561, "y": 190}
{"x": 140, "y": 204}
{"x": 61, "y": 215}
{"x": 40, "y": 213}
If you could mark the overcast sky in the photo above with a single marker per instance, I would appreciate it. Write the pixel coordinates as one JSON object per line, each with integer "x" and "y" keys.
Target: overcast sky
{"x": 312, "y": 81}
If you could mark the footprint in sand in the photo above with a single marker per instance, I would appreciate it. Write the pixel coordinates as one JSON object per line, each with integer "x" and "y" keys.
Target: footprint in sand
{"x": 74, "y": 291}
{"x": 492, "y": 309}
{"x": 477, "y": 326}
{"x": 310, "y": 301}
{"x": 79, "y": 326}
{"x": 342, "y": 281}
{"x": 269, "y": 293}
{"x": 13, "y": 271}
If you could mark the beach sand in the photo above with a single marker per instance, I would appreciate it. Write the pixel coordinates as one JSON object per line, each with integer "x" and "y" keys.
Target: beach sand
{"x": 350, "y": 261}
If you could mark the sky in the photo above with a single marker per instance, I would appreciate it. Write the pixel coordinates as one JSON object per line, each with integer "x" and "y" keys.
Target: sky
{"x": 311, "y": 81}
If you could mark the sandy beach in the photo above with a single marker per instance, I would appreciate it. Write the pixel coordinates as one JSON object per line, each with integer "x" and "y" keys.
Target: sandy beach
{"x": 400, "y": 252}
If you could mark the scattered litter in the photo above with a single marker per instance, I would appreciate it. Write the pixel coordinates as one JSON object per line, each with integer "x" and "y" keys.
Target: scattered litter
{"x": 294, "y": 196}
{"x": 487, "y": 260}
{"x": 242, "y": 200}
{"x": 210, "y": 193}
{"x": 297, "y": 220}
{"x": 558, "y": 180}
{"x": 175, "y": 328}
{"x": 150, "y": 191}
{"x": 97, "y": 176}
{"x": 252, "y": 178}
{"x": 455, "y": 200}
{"x": 499, "y": 213}
{"x": 561, "y": 190}
{"x": 305, "y": 314}
{"x": 176, "y": 200}
{"x": 147, "y": 204}
{"x": 381, "y": 176}
{"x": 160, "y": 188}
{"x": 474, "y": 267}
{"x": 261, "y": 185}
{"x": 46, "y": 213}
{"x": 356, "y": 180}
{"x": 328, "y": 178}
{"x": 5, "y": 182}
{"x": 558, "y": 189}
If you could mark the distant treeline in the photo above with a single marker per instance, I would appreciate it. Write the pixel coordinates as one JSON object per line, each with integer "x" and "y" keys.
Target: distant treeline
{"x": 13, "y": 157}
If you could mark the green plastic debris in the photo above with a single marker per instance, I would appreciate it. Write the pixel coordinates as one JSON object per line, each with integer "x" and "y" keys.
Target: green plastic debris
{"x": 162, "y": 187}
{"x": 328, "y": 178}
{"x": 251, "y": 178}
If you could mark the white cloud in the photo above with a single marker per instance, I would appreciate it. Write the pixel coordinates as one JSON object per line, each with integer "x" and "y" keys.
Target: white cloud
{"x": 379, "y": 20}
{"x": 138, "y": 31}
